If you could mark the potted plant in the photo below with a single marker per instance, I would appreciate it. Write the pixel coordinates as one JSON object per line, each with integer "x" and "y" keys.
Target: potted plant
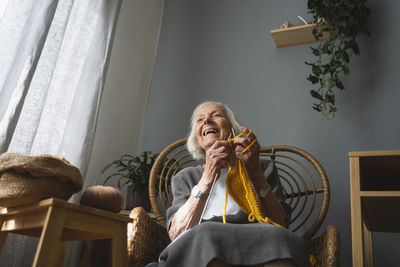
{"x": 133, "y": 172}
{"x": 343, "y": 20}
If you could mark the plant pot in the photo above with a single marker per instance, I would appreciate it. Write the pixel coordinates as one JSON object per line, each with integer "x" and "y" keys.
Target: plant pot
{"x": 137, "y": 198}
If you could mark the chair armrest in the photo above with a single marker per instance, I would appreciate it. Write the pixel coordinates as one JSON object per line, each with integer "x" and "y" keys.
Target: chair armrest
{"x": 326, "y": 247}
{"x": 146, "y": 238}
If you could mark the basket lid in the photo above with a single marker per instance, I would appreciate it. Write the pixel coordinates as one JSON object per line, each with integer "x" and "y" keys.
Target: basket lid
{"x": 42, "y": 166}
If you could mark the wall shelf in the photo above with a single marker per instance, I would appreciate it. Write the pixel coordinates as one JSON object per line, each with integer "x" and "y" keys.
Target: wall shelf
{"x": 295, "y": 35}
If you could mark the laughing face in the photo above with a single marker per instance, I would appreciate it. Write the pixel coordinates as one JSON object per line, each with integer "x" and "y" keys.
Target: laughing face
{"x": 211, "y": 124}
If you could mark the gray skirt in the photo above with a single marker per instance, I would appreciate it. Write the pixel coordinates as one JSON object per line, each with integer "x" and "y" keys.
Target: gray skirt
{"x": 238, "y": 244}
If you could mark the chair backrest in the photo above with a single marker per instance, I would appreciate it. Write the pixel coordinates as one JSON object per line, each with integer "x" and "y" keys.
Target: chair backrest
{"x": 304, "y": 181}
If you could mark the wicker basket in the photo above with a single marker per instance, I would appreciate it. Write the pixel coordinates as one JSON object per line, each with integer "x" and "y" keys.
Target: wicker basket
{"x": 25, "y": 179}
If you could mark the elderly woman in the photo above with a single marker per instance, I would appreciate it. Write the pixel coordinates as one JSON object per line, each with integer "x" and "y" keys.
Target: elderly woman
{"x": 199, "y": 237}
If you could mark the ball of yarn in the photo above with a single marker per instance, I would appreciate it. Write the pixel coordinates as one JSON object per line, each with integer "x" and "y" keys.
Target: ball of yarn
{"x": 103, "y": 197}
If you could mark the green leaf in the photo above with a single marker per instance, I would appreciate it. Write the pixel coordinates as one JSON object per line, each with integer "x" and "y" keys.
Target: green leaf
{"x": 326, "y": 68}
{"x": 339, "y": 84}
{"x": 332, "y": 109}
{"x": 345, "y": 68}
{"x": 355, "y": 48}
{"x": 316, "y": 70}
{"x": 316, "y": 95}
{"x": 330, "y": 98}
{"x": 317, "y": 107}
{"x": 325, "y": 48}
{"x": 314, "y": 31}
{"x": 313, "y": 79}
{"x": 346, "y": 56}
{"x": 315, "y": 51}
{"x": 334, "y": 33}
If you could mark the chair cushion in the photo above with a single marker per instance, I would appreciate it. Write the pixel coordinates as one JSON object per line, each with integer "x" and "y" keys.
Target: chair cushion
{"x": 103, "y": 197}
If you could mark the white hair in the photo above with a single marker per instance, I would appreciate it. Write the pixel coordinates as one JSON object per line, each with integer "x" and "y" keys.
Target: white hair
{"x": 192, "y": 144}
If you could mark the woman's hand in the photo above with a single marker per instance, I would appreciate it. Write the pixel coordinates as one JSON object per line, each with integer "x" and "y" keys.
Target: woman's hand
{"x": 250, "y": 157}
{"x": 217, "y": 158}
{"x": 188, "y": 216}
{"x": 270, "y": 206}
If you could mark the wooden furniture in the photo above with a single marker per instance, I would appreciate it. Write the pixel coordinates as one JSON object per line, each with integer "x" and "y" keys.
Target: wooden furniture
{"x": 375, "y": 198}
{"x": 295, "y": 35}
{"x": 56, "y": 221}
{"x": 306, "y": 190}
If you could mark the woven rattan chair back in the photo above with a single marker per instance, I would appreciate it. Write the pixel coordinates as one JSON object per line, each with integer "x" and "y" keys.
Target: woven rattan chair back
{"x": 304, "y": 181}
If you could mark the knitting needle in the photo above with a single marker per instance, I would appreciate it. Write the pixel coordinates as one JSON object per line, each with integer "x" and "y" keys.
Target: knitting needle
{"x": 208, "y": 198}
{"x": 212, "y": 186}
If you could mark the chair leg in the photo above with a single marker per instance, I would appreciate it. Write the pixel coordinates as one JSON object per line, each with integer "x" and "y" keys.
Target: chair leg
{"x": 48, "y": 248}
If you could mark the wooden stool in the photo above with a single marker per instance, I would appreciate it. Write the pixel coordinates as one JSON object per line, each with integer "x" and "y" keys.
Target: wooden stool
{"x": 56, "y": 221}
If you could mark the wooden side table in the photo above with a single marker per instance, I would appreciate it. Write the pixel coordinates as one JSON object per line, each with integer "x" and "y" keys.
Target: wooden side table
{"x": 56, "y": 221}
{"x": 375, "y": 198}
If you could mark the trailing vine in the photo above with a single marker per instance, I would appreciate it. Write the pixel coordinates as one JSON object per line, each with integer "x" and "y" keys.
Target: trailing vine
{"x": 343, "y": 20}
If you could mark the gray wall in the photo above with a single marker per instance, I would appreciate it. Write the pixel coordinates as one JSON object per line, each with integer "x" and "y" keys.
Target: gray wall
{"x": 221, "y": 50}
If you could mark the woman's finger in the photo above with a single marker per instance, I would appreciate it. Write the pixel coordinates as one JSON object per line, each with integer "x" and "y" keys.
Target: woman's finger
{"x": 251, "y": 153}
{"x": 219, "y": 143}
{"x": 240, "y": 144}
{"x": 246, "y": 132}
{"x": 221, "y": 146}
{"x": 244, "y": 142}
{"x": 218, "y": 156}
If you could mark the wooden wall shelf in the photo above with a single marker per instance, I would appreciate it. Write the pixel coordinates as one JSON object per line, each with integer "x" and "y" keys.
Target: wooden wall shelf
{"x": 295, "y": 35}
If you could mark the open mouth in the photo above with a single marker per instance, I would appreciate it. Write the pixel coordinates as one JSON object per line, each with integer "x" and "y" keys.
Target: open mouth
{"x": 210, "y": 131}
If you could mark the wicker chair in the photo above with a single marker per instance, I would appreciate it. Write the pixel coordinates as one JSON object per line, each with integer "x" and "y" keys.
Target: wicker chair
{"x": 306, "y": 190}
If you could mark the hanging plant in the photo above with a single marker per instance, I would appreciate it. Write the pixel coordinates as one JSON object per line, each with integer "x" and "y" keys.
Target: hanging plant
{"x": 343, "y": 20}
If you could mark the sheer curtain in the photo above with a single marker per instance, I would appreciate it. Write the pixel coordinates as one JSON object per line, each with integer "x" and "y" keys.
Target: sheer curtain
{"x": 54, "y": 57}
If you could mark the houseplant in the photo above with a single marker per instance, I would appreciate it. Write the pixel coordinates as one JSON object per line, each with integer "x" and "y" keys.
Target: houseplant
{"x": 343, "y": 20}
{"x": 133, "y": 172}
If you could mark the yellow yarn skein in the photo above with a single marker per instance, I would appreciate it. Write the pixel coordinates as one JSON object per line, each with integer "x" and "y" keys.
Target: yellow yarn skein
{"x": 238, "y": 185}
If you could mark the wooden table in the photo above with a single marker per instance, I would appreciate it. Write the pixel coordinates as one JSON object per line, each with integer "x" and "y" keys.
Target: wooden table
{"x": 56, "y": 221}
{"x": 375, "y": 199}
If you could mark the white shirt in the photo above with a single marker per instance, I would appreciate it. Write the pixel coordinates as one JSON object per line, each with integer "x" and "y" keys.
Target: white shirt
{"x": 216, "y": 201}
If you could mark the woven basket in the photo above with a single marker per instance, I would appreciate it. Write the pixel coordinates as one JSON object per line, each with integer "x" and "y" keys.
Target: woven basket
{"x": 25, "y": 179}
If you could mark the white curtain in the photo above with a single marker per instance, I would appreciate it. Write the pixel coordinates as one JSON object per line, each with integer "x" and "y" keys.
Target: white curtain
{"x": 53, "y": 60}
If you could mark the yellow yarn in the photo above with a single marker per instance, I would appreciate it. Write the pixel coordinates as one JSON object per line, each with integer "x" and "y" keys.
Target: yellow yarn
{"x": 313, "y": 260}
{"x": 238, "y": 185}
